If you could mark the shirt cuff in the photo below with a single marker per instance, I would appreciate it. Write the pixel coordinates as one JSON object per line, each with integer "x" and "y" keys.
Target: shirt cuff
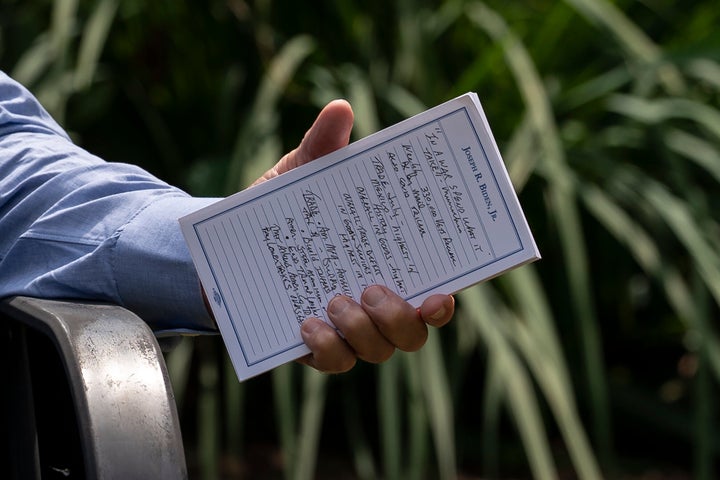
{"x": 153, "y": 269}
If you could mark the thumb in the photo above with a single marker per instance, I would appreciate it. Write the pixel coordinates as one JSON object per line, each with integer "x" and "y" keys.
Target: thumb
{"x": 330, "y": 132}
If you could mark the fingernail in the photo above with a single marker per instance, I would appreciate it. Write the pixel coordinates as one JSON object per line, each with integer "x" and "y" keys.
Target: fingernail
{"x": 439, "y": 314}
{"x": 309, "y": 326}
{"x": 374, "y": 295}
{"x": 338, "y": 305}
{"x": 443, "y": 310}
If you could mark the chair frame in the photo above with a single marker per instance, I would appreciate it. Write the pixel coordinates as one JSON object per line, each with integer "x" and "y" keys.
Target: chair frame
{"x": 117, "y": 383}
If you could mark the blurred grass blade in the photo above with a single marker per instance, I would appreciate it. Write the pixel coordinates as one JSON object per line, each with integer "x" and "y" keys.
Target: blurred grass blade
{"x": 439, "y": 405}
{"x": 325, "y": 87}
{"x": 558, "y": 393}
{"x": 537, "y": 339}
{"x": 286, "y": 419}
{"x": 703, "y": 404}
{"x": 690, "y": 233}
{"x": 653, "y": 112}
{"x": 56, "y": 88}
{"x": 93, "y": 41}
{"x": 362, "y": 98}
{"x": 64, "y": 20}
{"x": 362, "y": 453}
{"x": 622, "y": 226}
{"x": 631, "y": 38}
{"x": 520, "y": 395}
{"x": 702, "y": 152}
{"x": 234, "y": 408}
{"x": 178, "y": 366}
{"x": 311, "y": 417}
{"x": 521, "y": 155}
{"x": 444, "y": 18}
{"x": 403, "y": 101}
{"x": 257, "y": 146}
{"x": 493, "y": 396}
{"x": 598, "y": 87}
{"x": 34, "y": 62}
{"x": 705, "y": 70}
{"x": 564, "y": 206}
{"x": 417, "y": 418}
{"x": 389, "y": 418}
{"x": 208, "y": 411}
{"x": 46, "y": 67}
{"x": 531, "y": 303}
{"x": 674, "y": 213}
{"x": 410, "y": 55}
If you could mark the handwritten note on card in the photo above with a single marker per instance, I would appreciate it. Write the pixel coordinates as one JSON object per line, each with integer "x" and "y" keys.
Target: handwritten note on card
{"x": 424, "y": 207}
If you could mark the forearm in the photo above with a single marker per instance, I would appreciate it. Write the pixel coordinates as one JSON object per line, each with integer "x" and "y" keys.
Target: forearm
{"x": 74, "y": 226}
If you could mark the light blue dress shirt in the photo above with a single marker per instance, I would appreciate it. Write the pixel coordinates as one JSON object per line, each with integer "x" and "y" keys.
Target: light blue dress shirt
{"x": 75, "y": 226}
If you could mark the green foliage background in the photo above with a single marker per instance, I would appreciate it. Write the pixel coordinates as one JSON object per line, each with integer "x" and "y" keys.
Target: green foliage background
{"x": 602, "y": 360}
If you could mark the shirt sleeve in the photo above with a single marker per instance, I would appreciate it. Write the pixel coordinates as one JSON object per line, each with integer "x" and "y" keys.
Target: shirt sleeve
{"x": 75, "y": 226}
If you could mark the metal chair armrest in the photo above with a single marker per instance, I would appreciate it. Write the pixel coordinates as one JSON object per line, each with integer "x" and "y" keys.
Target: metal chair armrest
{"x": 124, "y": 405}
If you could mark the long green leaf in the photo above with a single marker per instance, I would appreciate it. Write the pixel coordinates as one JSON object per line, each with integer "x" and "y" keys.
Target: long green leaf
{"x": 439, "y": 405}
{"x": 640, "y": 245}
{"x": 564, "y": 206}
{"x": 390, "y": 418}
{"x": 631, "y": 38}
{"x": 653, "y": 112}
{"x": 704, "y": 153}
{"x": 257, "y": 146}
{"x": 549, "y": 372}
{"x": 516, "y": 381}
{"x": 93, "y": 41}
{"x": 34, "y": 62}
{"x": 315, "y": 389}
{"x": 285, "y": 410}
{"x": 493, "y": 397}
{"x": 417, "y": 416}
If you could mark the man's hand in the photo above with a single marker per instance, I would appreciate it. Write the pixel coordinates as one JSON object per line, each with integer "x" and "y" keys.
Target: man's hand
{"x": 372, "y": 329}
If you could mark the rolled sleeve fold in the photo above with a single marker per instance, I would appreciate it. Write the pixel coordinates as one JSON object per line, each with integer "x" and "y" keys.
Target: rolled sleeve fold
{"x": 153, "y": 269}
{"x": 74, "y": 226}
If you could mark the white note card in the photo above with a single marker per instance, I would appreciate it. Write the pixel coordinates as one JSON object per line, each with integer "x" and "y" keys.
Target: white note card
{"x": 424, "y": 206}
